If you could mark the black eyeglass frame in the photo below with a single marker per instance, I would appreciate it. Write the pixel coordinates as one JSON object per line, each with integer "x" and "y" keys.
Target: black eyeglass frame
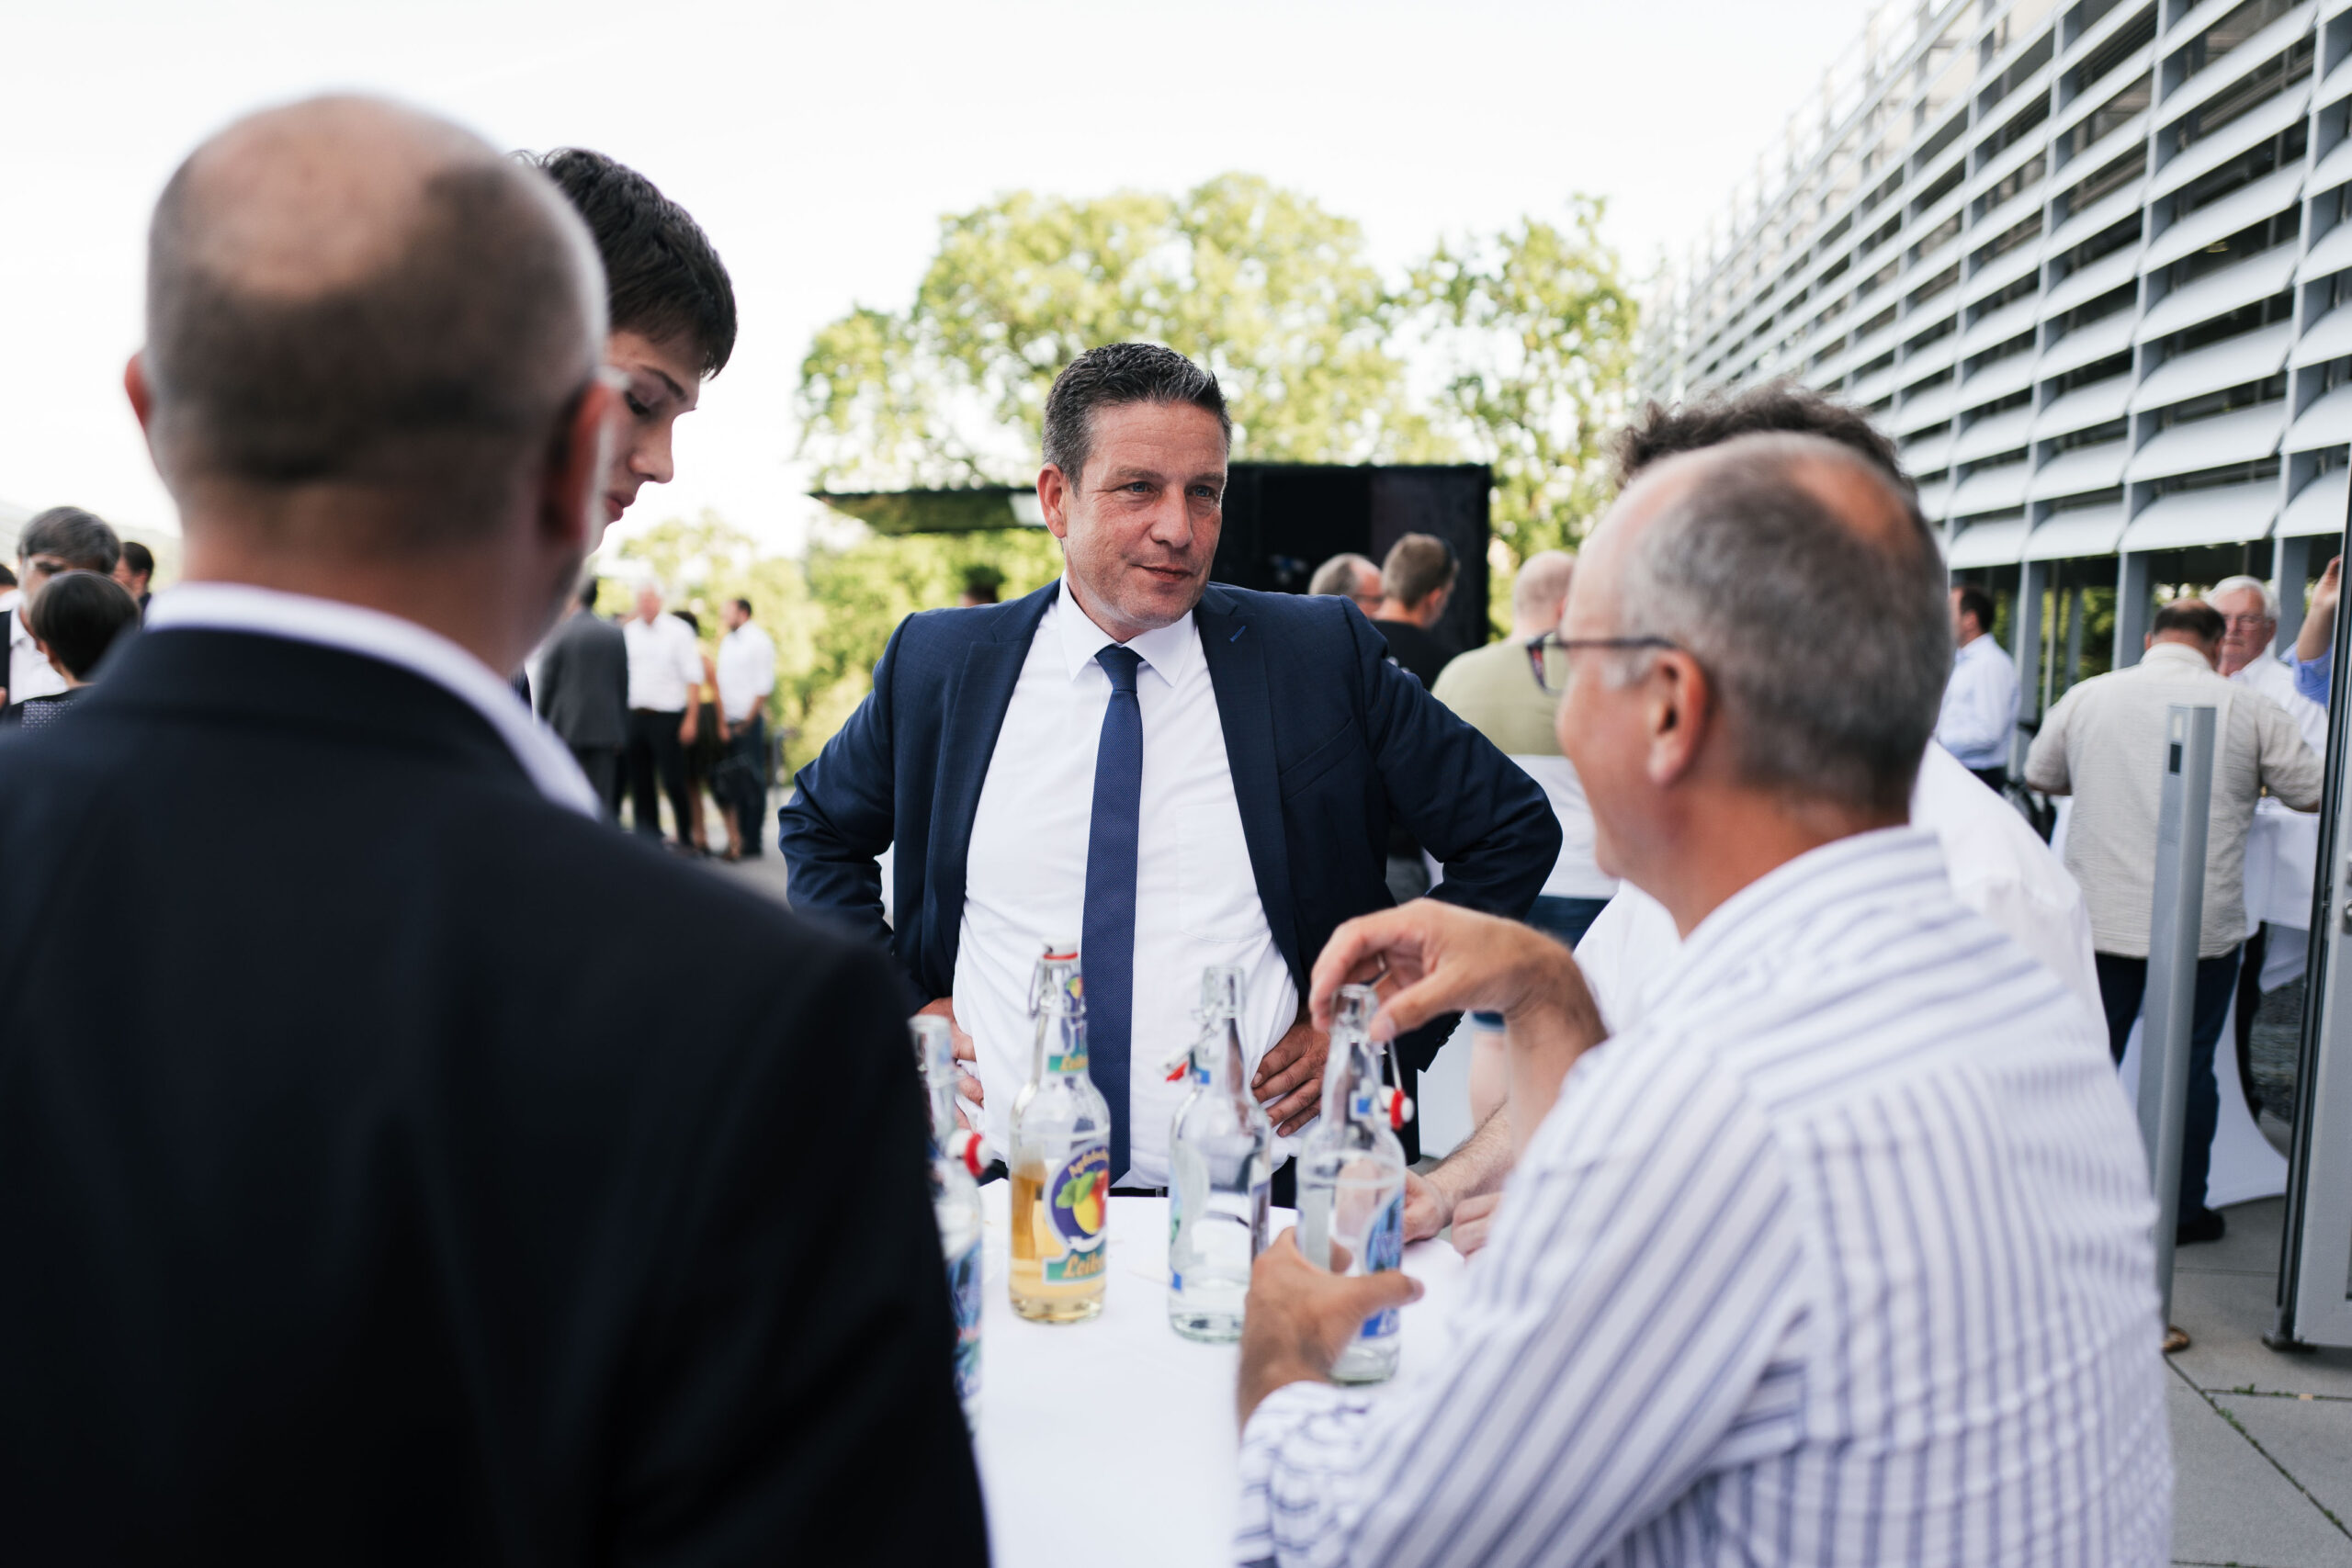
{"x": 1536, "y": 647}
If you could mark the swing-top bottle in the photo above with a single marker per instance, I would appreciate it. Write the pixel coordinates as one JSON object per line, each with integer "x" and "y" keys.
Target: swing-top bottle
{"x": 956, "y": 1199}
{"x": 1220, "y": 1154}
{"x": 1351, "y": 1179}
{"x": 1060, "y": 1157}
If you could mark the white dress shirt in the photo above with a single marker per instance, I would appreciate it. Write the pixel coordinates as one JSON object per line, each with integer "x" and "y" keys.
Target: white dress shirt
{"x": 1980, "y": 711}
{"x": 330, "y": 623}
{"x": 2274, "y": 680}
{"x": 30, "y": 674}
{"x": 746, "y": 671}
{"x": 664, "y": 663}
{"x": 1999, "y": 868}
{"x": 2104, "y": 743}
{"x": 1840, "y": 1257}
{"x": 1024, "y": 879}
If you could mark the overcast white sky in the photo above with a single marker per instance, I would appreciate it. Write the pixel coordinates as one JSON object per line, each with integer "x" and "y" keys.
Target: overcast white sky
{"x": 819, "y": 144}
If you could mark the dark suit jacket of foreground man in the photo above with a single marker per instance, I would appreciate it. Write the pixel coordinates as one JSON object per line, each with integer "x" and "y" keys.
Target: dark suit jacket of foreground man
{"x": 367, "y": 1200}
{"x": 1324, "y": 737}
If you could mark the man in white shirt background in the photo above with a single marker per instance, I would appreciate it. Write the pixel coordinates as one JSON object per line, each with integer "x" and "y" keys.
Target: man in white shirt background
{"x": 64, "y": 538}
{"x": 1980, "y": 711}
{"x": 2104, "y": 743}
{"x": 664, "y": 667}
{"x": 1842, "y": 1254}
{"x": 746, "y": 665}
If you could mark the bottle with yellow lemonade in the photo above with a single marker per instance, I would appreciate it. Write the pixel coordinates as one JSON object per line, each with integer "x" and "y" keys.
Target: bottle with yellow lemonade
{"x": 1061, "y": 1158}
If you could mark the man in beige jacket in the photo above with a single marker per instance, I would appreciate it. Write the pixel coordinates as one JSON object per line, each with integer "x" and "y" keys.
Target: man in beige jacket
{"x": 2104, "y": 744}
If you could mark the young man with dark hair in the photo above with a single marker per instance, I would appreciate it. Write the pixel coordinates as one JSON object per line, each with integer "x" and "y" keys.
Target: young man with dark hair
{"x": 75, "y": 622}
{"x": 135, "y": 571}
{"x": 64, "y": 538}
{"x": 1416, "y": 581}
{"x": 670, "y": 303}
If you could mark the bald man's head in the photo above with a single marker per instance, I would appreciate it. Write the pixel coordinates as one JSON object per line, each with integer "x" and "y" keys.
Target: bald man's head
{"x": 1804, "y": 582}
{"x": 347, "y": 293}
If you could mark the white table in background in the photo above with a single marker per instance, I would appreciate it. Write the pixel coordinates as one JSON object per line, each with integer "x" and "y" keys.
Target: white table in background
{"x": 1113, "y": 1440}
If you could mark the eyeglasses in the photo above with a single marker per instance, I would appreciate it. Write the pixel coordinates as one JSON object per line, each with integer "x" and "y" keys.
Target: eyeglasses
{"x": 1547, "y": 656}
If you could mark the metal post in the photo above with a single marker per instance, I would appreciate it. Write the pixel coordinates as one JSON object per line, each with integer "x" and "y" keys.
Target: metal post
{"x": 2170, "y": 1002}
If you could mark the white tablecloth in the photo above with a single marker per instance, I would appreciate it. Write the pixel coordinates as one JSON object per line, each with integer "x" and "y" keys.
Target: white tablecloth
{"x": 1115, "y": 1440}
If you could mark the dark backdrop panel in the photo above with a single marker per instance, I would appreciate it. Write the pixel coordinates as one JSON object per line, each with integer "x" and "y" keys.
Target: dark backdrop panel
{"x": 1282, "y": 521}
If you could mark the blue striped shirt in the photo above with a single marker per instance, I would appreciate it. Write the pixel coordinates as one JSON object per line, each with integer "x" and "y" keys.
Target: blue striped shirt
{"x": 1841, "y": 1256}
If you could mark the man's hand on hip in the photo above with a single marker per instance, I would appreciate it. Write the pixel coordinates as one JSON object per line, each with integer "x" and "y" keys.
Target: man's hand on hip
{"x": 1298, "y": 1318}
{"x": 966, "y": 1086}
{"x": 1290, "y": 1076}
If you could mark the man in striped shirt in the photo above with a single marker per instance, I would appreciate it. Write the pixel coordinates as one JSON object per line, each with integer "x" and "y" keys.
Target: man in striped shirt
{"x": 1841, "y": 1255}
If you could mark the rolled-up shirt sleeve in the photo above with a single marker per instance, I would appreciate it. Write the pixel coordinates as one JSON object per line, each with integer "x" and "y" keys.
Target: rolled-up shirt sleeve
{"x": 2313, "y": 676}
{"x": 1639, "y": 1305}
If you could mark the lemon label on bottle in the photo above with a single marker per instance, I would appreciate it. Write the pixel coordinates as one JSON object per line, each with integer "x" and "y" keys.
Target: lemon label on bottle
{"x": 1078, "y": 1199}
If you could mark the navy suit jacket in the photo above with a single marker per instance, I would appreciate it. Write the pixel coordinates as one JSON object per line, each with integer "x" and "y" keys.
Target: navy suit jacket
{"x": 1326, "y": 738}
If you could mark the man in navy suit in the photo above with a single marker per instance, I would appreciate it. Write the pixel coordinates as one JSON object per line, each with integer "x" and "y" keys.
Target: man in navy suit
{"x": 1175, "y": 774}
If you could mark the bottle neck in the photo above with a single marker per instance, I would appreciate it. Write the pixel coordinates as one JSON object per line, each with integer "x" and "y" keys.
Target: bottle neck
{"x": 1061, "y": 1045}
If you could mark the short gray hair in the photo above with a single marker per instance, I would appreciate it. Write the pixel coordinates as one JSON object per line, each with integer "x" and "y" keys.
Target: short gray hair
{"x": 1743, "y": 570}
{"x": 1342, "y": 574}
{"x": 1542, "y": 583}
{"x": 2237, "y": 584}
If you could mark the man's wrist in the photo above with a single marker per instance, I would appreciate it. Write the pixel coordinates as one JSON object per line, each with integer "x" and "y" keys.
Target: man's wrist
{"x": 1261, "y": 1381}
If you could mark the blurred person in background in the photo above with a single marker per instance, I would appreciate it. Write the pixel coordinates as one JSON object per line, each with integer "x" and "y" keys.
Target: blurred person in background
{"x": 136, "y": 571}
{"x": 1980, "y": 712}
{"x": 704, "y": 750}
{"x": 664, "y": 673}
{"x": 746, "y": 681}
{"x": 1351, "y": 577}
{"x": 2249, "y": 612}
{"x": 75, "y": 621}
{"x": 2103, "y": 743}
{"x": 584, "y": 694}
{"x": 64, "y": 538}
{"x": 390, "y": 1208}
{"x": 981, "y": 586}
{"x": 1416, "y": 582}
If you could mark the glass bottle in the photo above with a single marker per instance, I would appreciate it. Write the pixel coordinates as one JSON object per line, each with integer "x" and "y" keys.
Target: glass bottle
{"x": 1061, "y": 1157}
{"x": 955, "y": 1165}
{"x": 1351, "y": 1179}
{"x": 1220, "y": 1154}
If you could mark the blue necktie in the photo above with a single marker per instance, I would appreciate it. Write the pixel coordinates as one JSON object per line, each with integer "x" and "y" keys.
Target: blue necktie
{"x": 1107, "y": 942}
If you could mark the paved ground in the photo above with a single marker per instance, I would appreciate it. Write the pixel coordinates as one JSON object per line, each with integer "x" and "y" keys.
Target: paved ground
{"x": 2262, "y": 1442}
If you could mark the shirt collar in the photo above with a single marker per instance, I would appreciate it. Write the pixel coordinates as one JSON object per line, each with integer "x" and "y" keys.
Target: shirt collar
{"x": 371, "y": 634}
{"x": 2180, "y": 653}
{"x": 1172, "y": 651}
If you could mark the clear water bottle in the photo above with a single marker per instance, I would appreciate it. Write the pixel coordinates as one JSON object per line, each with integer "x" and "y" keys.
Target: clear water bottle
{"x": 1220, "y": 1152}
{"x": 1060, "y": 1159}
{"x": 956, "y": 1166}
{"x": 1351, "y": 1178}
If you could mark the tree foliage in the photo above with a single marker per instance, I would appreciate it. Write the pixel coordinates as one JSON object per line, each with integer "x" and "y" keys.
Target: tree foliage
{"x": 1263, "y": 285}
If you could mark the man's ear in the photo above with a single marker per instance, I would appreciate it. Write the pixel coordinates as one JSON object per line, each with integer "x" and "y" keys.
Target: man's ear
{"x": 1053, "y": 498}
{"x": 1679, "y": 705}
{"x": 573, "y": 485}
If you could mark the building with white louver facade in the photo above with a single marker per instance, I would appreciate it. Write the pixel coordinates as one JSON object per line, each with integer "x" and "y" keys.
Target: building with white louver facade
{"x": 2090, "y": 263}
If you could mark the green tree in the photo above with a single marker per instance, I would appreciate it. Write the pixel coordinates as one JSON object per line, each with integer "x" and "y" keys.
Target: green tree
{"x": 1532, "y": 331}
{"x": 1262, "y": 285}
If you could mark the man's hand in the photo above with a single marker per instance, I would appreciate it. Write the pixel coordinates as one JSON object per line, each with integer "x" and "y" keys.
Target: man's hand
{"x": 1298, "y": 1318}
{"x": 1290, "y": 1076}
{"x": 1429, "y": 957}
{"x": 686, "y": 728}
{"x": 966, "y": 1086}
{"x": 1429, "y": 1208}
{"x": 1474, "y": 1218}
{"x": 2319, "y": 623}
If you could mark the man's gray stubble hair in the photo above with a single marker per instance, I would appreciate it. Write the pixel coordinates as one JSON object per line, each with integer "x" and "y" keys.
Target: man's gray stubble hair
{"x": 1744, "y": 569}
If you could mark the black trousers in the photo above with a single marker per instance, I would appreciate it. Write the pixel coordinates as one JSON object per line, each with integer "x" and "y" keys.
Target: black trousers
{"x": 654, "y": 750}
{"x": 2121, "y": 983}
{"x": 1994, "y": 779}
{"x": 740, "y": 782}
{"x": 603, "y": 766}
